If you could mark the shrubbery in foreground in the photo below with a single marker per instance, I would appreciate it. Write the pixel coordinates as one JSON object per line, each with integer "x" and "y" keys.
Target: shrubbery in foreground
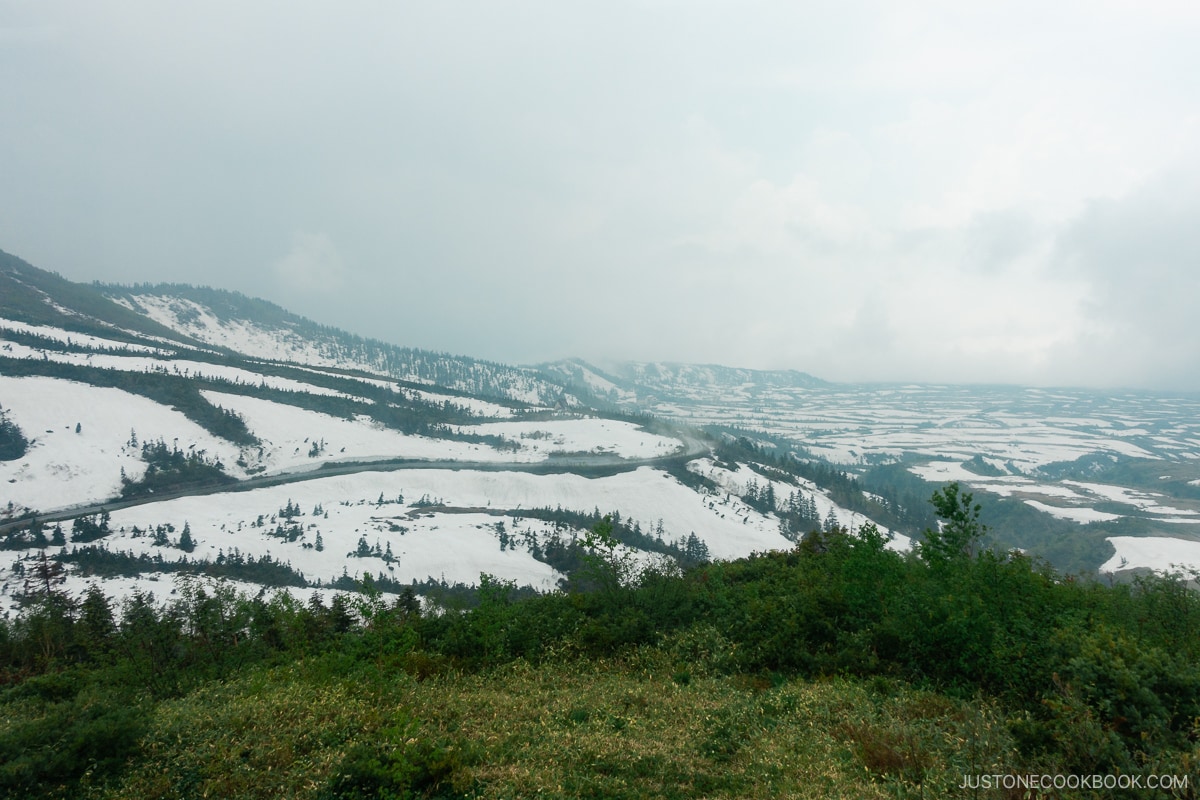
{"x": 897, "y": 672}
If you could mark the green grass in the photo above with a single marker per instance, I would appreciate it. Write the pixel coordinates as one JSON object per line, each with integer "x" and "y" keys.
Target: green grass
{"x": 567, "y": 728}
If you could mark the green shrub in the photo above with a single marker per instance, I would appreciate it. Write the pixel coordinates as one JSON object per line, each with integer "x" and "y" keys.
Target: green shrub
{"x": 398, "y": 764}
{"x": 95, "y": 733}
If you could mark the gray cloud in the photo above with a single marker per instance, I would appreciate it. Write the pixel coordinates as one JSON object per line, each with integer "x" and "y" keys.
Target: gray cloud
{"x": 857, "y": 190}
{"x": 312, "y": 265}
{"x": 1141, "y": 255}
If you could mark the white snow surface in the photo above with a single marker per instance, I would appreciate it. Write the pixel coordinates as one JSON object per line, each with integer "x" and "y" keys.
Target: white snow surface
{"x": 604, "y": 387}
{"x": 245, "y": 338}
{"x": 64, "y": 469}
{"x": 454, "y": 540}
{"x": 1146, "y": 501}
{"x": 81, "y": 339}
{"x": 736, "y": 483}
{"x": 1002, "y": 485}
{"x": 473, "y": 405}
{"x": 1081, "y": 515}
{"x": 175, "y": 366}
{"x": 1159, "y": 553}
{"x": 287, "y": 434}
{"x": 591, "y": 435}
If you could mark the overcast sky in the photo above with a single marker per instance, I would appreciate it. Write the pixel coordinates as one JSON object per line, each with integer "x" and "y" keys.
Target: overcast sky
{"x": 867, "y": 191}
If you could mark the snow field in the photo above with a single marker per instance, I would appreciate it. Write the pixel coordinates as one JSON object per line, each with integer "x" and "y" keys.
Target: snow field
{"x": 1081, "y": 515}
{"x": 456, "y": 543}
{"x": 644, "y": 495}
{"x": 63, "y": 468}
{"x": 182, "y": 367}
{"x": 455, "y": 547}
{"x": 592, "y": 435}
{"x": 241, "y": 337}
{"x": 81, "y": 339}
{"x": 850, "y": 424}
{"x": 1077, "y": 494}
{"x": 472, "y": 405}
{"x": 288, "y": 433}
{"x": 1131, "y": 497}
{"x": 1160, "y": 553}
{"x": 736, "y": 482}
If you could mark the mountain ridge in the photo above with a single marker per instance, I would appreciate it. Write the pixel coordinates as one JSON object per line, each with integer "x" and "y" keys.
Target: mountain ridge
{"x": 193, "y": 315}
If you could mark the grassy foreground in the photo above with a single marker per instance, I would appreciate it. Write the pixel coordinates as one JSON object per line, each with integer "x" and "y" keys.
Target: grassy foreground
{"x": 634, "y": 727}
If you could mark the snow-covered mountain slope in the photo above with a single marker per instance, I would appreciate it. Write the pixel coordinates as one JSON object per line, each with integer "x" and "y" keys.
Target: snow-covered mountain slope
{"x": 407, "y": 526}
{"x": 269, "y": 391}
{"x": 38, "y": 297}
{"x": 83, "y": 439}
{"x": 131, "y": 408}
{"x": 647, "y": 383}
{"x": 86, "y": 445}
{"x": 262, "y": 330}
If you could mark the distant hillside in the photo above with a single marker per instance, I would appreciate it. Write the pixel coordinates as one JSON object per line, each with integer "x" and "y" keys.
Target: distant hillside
{"x": 650, "y": 382}
{"x": 200, "y": 317}
{"x": 261, "y": 329}
{"x": 204, "y": 317}
{"x": 38, "y": 297}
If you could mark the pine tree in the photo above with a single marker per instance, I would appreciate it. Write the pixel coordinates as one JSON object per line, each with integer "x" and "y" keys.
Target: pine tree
{"x": 97, "y": 624}
{"x": 39, "y": 534}
{"x": 954, "y": 539}
{"x": 43, "y": 584}
{"x": 186, "y": 544}
{"x": 13, "y": 443}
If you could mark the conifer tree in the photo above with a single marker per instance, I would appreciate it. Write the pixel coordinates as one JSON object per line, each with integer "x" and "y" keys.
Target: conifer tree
{"x": 955, "y": 538}
{"x": 186, "y": 543}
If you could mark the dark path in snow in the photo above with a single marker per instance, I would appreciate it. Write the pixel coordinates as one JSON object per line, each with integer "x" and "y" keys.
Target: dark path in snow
{"x": 588, "y": 465}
